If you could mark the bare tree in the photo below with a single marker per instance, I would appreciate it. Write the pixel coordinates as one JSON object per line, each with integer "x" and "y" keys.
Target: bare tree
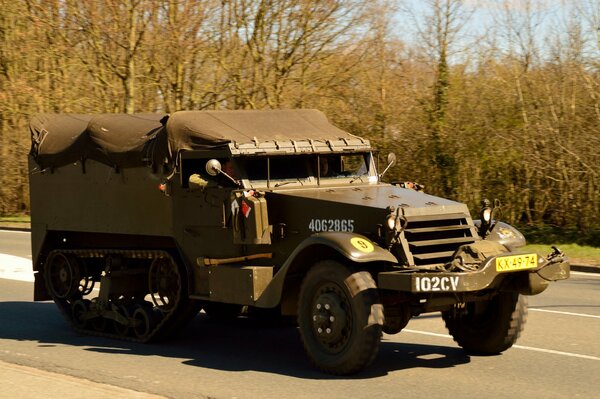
{"x": 438, "y": 30}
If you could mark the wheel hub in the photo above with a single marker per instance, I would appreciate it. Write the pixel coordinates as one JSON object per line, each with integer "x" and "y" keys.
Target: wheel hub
{"x": 329, "y": 319}
{"x": 63, "y": 275}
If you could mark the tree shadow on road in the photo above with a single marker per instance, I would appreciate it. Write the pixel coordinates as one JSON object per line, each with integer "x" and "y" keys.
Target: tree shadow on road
{"x": 240, "y": 345}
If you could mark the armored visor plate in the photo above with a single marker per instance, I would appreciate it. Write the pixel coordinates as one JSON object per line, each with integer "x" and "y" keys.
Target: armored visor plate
{"x": 516, "y": 262}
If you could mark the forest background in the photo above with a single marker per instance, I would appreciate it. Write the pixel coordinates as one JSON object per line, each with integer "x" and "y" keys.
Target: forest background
{"x": 496, "y": 99}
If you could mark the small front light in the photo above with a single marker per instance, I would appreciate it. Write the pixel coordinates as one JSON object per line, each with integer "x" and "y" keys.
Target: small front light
{"x": 391, "y": 222}
{"x": 486, "y": 215}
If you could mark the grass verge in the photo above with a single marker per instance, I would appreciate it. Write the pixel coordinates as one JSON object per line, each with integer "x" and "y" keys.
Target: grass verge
{"x": 15, "y": 221}
{"x": 578, "y": 254}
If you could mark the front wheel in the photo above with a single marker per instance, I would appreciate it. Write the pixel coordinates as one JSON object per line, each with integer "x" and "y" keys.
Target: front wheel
{"x": 488, "y": 327}
{"x": 340, "y": 329}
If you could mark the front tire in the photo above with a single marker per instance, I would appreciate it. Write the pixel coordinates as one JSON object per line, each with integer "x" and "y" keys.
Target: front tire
{"x": 341, "y": 332}
{"x": 488, "y": 327}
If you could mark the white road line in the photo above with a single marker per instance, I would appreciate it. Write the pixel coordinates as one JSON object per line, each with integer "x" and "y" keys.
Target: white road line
{"x": 15, "y": 268}
{"x": 15, "y": 231}
{"x": 586, "y": 274}
{"x": 529, "y": 348}
{"x": 565, "y": 313}
{"x": 427, "y": 333}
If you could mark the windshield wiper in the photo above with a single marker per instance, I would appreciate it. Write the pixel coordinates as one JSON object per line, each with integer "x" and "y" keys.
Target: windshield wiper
{"x": 283, "y": 183}
{"x": 357, "y": 178}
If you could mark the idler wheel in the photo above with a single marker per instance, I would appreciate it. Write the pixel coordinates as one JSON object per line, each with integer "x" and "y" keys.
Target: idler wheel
{"x": 62, "y": 275}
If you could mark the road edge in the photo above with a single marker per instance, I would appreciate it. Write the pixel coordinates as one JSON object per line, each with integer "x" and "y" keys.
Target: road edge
{"x": 12, "y": 228}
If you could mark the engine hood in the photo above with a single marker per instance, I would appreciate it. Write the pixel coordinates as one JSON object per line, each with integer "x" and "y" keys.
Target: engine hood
{"x": 381, "y": 196}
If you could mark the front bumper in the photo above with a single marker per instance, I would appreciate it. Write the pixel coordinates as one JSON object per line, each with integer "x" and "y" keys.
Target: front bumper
{"x": 527, "y": 282}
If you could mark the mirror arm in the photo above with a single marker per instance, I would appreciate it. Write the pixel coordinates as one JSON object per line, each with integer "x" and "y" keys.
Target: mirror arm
{"x": 234, "y": 181}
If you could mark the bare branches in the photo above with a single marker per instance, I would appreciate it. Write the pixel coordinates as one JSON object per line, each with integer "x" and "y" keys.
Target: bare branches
{"x": 513, "y": 115}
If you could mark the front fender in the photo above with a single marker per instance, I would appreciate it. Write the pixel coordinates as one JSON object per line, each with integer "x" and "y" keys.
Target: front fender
{"x": 354, "y": 247}
{"x": 505, "y": 234}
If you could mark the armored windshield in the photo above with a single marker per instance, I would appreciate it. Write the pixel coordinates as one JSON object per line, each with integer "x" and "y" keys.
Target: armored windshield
{"x": 307, "y": 169}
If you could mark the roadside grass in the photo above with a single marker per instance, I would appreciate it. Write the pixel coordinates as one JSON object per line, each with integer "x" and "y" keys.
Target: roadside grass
{"x": 15, "y": 219}
{"x": 578, "y": 254}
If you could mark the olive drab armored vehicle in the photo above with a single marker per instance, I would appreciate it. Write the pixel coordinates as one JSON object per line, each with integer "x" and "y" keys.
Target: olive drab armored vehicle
{"x": 220, "y": 210}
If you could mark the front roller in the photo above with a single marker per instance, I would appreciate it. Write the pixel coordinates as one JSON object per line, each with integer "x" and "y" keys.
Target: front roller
{"x": 488, "y": 327}
{"x": 340, "y": 318}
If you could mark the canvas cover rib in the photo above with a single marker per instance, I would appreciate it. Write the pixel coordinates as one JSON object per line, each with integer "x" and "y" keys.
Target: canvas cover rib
{"x": 127, "y": 140}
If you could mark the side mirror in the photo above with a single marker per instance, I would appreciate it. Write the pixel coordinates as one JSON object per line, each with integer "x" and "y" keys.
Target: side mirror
{"x": 391, "y": 158}
{"x": 213, "y": 167}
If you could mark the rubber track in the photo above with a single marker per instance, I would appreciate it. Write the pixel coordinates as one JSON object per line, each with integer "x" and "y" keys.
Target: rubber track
{"x": 163, "y": 325}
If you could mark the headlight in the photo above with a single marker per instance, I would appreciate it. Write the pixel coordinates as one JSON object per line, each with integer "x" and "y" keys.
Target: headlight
{"x": 486, "y": 212}
{"x": 391, "y": 221}
{"x": 486, "y": 215}
{"x": 395, "y": 222}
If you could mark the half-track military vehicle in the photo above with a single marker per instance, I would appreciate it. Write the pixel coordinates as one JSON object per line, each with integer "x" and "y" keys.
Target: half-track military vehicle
{"x": 279, "y": 210}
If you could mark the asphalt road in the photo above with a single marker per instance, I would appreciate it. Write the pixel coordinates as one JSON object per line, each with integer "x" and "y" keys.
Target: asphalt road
{"x": 557, "y": 356}
{"x": 17, "y": 243}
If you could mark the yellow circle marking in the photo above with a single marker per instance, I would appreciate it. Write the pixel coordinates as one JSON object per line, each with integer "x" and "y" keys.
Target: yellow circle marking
{"x": 362, "y": 244}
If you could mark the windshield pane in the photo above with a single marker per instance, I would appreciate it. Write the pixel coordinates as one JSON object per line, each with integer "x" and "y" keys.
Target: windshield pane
{"x": 303, "y": 167}
{"x": 294, "y": 167}
{"x": 350, "y": 165}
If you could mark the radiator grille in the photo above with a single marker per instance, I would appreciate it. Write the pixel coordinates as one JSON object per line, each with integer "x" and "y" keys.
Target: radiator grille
{"x": 431, "y": 241}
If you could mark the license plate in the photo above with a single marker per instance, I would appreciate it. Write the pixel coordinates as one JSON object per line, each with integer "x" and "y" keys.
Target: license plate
{"x": 516, "y": 262}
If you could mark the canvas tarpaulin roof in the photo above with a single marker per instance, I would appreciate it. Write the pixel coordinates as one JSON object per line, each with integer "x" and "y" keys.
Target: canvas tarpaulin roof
{"x": 123, "y": 140}
{"x": 114, "y": 139}
{"x": 58, "y": 139}
{"x": 188, "y": 130}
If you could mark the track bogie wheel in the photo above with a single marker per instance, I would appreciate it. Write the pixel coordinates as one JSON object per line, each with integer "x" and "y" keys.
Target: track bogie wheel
{"x": 99, "y": 324}
{"x": 145, "y": 320}
{"x": 125, "y": 312}
{"x": 79, "y": 309}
